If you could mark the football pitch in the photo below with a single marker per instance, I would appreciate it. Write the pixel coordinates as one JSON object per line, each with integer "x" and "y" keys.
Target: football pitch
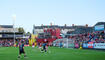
{"x": 54, "y": 53}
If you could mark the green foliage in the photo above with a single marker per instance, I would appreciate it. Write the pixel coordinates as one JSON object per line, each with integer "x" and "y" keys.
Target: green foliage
{"x": 28, "y": 33}
{"x": 21, "y": 29}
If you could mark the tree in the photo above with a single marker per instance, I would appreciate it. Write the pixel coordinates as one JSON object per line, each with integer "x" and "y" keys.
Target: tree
{"x": 21, "y": 29}
{"x": 28, "y": 33}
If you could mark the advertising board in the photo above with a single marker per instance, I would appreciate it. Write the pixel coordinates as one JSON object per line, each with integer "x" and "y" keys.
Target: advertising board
{"x": 90, "y": 45}
{"x": 99, "y": 27}
{"x": 99, "y": 45}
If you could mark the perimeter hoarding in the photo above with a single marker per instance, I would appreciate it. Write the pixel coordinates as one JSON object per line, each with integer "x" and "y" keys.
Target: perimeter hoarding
{"x": 85, "y": 45}
{"x": 99, "y": 45}
{"x": 90, "y": 45}
{"x": 76, "y": 45}
{"x": 94, "y": 45}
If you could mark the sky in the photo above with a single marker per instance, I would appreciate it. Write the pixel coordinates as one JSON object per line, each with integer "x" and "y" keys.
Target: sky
{"x": 59, "y": 12}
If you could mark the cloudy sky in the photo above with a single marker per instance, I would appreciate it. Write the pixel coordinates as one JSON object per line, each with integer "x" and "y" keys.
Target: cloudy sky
{"x": 59, "y": 12}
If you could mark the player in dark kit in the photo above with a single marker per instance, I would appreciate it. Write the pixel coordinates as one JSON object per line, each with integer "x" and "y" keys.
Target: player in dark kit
{"x": 44, "y": 45}
{"x": 21, "y": 49}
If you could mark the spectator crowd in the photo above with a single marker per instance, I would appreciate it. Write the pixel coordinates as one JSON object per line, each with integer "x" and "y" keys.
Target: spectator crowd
{"x": 96, "y": 37}
{"x": 10, "y": 42}
{"x": 6, "y": 43}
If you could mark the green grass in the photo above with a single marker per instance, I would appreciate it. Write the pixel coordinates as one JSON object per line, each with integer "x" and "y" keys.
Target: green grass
{"x": 11, "y": 53}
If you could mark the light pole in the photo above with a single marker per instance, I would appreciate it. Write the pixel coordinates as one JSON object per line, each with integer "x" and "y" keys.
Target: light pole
{"x": 14, "y": 18}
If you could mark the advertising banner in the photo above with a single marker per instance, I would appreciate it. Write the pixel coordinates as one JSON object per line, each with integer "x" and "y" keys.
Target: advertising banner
{"x": 76, "y": 45}
{"x": 71, "y": 45}
{"x": 90, "y": 45}
{"x": 99, "y": 45}
{"x": 85, "y": 45}
{"x": 94, "y": 45}
{"x": 99, "y": 27}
